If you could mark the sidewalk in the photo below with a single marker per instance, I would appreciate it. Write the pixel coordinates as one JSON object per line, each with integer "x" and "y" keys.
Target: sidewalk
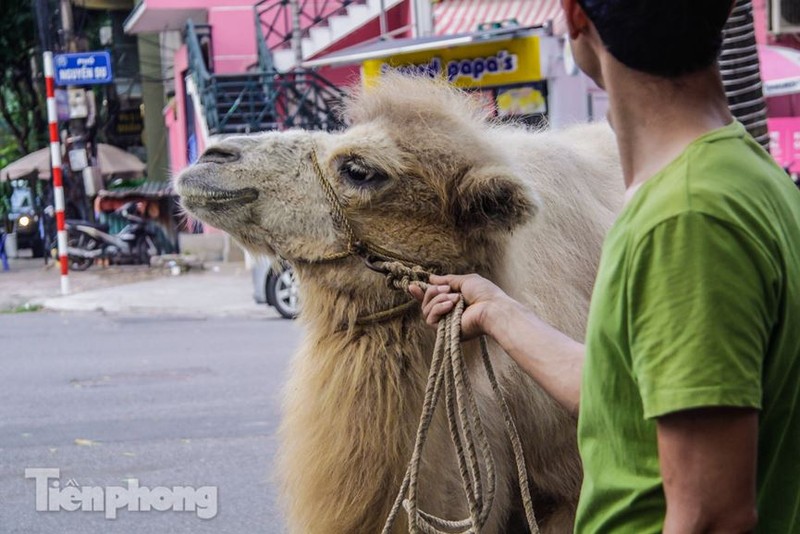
{"x": 222, "y": 289}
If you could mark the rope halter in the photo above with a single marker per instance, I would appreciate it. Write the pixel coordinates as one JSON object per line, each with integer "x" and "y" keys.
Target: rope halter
{"x": 373, "y": 255}
{"x": 399, "y": 271}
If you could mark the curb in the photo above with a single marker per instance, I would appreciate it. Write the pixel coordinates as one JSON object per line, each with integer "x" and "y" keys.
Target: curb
{"x": 205, "y": 294}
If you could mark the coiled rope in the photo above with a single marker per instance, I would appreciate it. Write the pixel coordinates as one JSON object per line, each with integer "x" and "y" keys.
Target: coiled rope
{"x": 448, "y": 373}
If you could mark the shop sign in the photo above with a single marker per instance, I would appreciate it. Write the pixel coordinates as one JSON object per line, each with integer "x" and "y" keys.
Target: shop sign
{"x": 520, "y": 101}
{"x": 493, "y": 64}
{"x": 129, "y": 122}
{"x": 782, "y": 87}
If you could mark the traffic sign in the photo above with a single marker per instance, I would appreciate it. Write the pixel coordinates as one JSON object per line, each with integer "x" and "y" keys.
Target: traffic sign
{"x": 84, "y": 68}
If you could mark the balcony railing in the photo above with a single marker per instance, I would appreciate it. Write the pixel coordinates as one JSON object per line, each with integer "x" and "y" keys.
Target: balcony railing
{"x": 262, "y": 99}
{"x": 275, "y": 18}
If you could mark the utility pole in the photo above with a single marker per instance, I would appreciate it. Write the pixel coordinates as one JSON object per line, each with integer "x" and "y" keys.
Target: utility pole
{"x": 67, "y": 38}
{"x": 80, "y": 104}
{"x": 55, "y": 161}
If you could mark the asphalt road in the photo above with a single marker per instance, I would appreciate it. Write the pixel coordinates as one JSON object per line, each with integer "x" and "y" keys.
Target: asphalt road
{"x": 168, "y": 401}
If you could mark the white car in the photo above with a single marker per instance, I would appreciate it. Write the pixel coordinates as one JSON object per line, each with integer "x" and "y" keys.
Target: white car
{"x": 276, "y": 286}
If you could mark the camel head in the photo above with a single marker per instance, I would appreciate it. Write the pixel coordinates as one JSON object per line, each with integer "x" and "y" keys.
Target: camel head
{"x": 417, "y": 173}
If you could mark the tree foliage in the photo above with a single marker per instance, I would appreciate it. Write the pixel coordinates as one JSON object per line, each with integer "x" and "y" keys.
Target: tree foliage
{"x": 23, "y": 127}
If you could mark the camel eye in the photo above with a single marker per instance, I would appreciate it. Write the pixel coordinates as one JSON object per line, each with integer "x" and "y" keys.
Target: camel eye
{"x": 358, "y": 174}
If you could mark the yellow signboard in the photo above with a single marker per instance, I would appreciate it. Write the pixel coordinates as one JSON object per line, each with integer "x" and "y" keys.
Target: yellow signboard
{"x": 475, "y": 65}
{"x": 520, "y": 101}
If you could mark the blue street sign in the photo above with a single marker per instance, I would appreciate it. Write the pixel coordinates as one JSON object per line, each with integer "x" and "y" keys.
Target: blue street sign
{"x": 85, "y": 68}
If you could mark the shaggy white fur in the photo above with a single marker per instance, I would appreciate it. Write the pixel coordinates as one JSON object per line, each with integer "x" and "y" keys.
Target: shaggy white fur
{"x": 423, "y": 173}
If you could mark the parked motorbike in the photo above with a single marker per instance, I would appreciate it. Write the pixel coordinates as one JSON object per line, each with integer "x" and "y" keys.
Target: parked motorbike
{"x": 87, "y": 241}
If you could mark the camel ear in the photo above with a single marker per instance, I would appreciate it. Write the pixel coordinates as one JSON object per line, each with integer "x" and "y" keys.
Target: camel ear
{"x": 492, "y": 198}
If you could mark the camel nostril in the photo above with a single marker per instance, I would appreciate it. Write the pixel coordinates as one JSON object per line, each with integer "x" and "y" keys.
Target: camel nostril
{"x": 220, "y": 154}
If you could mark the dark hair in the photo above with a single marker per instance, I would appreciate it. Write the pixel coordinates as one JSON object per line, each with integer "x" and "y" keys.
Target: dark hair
{"x": 666, "y": 38}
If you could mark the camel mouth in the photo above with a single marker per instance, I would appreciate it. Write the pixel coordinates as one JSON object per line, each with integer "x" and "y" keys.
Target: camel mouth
{"x": 203, "y": 195}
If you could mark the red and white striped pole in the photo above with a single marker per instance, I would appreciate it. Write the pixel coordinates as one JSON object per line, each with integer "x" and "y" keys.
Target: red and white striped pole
{"x": 55, "y": 161}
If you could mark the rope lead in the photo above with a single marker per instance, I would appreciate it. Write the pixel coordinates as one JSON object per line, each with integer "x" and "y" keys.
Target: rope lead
{"x": 449, "y": 373}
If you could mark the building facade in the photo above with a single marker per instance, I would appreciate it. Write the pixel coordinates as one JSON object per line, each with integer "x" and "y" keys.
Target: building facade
{"x": 232, "y": 65}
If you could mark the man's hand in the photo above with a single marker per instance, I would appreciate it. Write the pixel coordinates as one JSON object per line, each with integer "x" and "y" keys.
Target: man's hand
{"x": 708, "y": 467}
{"x": 443, "y": 293}
{"x": 551, "y": 358}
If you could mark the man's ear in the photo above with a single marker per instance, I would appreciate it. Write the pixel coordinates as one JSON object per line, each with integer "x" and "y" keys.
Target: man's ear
{"x": 492, "y": 198}
{"x": 575, "y": 16}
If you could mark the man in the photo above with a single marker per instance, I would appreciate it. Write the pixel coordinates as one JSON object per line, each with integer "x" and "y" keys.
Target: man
{"x": 689, "y": 403}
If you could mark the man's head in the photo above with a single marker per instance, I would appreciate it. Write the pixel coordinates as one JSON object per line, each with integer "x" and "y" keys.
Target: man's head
{"x": 661, "y": 38}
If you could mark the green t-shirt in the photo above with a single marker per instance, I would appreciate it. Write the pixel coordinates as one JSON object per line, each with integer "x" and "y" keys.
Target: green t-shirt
{"x": 696, "y": 304}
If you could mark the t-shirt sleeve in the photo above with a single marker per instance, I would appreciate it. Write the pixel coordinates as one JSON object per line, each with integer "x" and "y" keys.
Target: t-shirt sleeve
{"x": 701, "y": 303}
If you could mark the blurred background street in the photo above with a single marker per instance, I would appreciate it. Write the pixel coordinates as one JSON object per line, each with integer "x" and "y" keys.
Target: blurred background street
{"x": 166, "y": 399}
{"x": 30, "y": 281}
{"x": 140, "y": 373}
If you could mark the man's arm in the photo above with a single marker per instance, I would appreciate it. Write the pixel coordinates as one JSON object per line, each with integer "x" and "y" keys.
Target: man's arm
{"x": 708, "y": 466}
{"x": 551, "y": 358}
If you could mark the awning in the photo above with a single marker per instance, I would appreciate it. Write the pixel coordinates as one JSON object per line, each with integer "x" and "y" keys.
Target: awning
{"x": 780, "y": 70}
{"x": 463, "y": 16}
{"x": 392, "y": 47}
{"x": 38, "y": 162}
{"x": 114, "y": 160}
{"x": 110, "y": 160}
{"x": 153, "y": 16}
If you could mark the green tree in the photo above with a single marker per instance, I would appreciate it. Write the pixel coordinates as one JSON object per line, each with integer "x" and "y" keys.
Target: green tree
{"x": 23, "y": 128}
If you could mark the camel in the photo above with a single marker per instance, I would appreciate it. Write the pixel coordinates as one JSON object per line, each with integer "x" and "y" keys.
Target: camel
{"x": 423, "y": 172}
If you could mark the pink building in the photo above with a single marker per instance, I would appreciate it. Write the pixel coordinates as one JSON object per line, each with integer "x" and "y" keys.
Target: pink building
{"x": 778, "y": 35}
{"x": 231, "y": 41}
{"x": 218, "y": 89}
{"x": 225, "y": 39}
